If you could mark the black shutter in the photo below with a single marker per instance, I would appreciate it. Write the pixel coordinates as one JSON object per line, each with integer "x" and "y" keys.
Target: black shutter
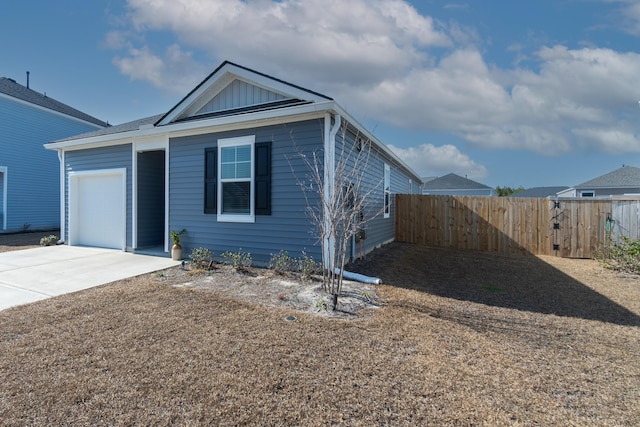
{"x": 263, "y": 178}
{"x": 210, "y": 180}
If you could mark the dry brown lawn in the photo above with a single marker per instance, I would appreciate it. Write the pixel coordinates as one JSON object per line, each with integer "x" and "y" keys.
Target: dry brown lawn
{"x": 460, "y": 338}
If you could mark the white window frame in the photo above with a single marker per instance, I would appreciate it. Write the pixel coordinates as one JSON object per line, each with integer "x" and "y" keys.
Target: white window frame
{"x": 387, "y": 191}
{"x": 234, "y": 142}
{"x": 591, "y": 193}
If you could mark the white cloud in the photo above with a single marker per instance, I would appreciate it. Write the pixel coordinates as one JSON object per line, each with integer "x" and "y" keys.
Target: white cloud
{"x": 429, "y": 160}
{"x": 629, "y": 15}
{"x": 360, "y": 41}
{"x": 386, "y": 62}
{"x": 175, "y": 71}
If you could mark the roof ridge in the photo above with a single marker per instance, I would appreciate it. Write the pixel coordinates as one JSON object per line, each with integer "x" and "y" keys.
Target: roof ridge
{"x": 10, "y": 87}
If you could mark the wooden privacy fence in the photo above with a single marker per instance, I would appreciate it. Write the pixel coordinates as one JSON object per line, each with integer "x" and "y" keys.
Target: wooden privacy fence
{"x": 562, "y": 227}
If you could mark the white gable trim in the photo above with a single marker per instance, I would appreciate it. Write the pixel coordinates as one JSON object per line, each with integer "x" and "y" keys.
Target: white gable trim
{"x": 221, "y": 78}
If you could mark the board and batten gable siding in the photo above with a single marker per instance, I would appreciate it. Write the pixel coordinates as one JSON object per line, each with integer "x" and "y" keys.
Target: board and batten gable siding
{"x": 33, "y": 187}
{"x": 379, "y": 230}
{"x": 113, "y": 157}
{"x": 287, "y": 228}
{"x": 237, "y": 95}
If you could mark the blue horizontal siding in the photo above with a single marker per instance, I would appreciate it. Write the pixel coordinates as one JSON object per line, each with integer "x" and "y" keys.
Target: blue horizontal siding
{"x": 379, "y": 229}
{"x": 33, "y": 190}
{"x": 287, "y": 228}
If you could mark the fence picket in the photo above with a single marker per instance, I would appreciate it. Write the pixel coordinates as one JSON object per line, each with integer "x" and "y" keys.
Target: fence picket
{"x": 515, "y": 225}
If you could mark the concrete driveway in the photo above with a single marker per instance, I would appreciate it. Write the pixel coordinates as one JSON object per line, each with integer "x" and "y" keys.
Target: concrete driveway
{"x": 34, "y": 274}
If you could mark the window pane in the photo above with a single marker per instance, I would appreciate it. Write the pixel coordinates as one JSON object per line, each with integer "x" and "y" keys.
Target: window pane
{"x": 243, "y": 170}
{"x": 235, "y": 197}
{"x": 228, "y": 171}
{"x": 236, "y": 162}
{"x": 228, "y": 154}
{"x": 243, "y": 153}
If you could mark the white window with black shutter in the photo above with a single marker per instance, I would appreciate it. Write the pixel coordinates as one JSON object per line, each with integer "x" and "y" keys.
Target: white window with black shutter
{"x": 238, "y": 179}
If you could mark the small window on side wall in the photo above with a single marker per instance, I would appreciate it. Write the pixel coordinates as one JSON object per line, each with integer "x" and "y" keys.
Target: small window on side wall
{"x": 387, "y": 191}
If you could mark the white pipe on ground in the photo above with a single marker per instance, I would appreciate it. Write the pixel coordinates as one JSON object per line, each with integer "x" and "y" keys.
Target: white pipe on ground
{"x": 359, "y": 277}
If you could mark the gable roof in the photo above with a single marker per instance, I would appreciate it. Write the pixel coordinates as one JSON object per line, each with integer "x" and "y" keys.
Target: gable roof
{"x": 626, "y": 176}
{"x": 539, "y": 192}
{"x": 453, "y": 182}
{"x": 268, "y": 100}
{"x": 15, "y": 90}
{"x": 259, "y": 91}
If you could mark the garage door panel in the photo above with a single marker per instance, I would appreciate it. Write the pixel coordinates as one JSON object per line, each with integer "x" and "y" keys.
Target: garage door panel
{"x": 98, "y": 213}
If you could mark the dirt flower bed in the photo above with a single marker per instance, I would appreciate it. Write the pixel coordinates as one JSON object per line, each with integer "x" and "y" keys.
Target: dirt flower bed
{"x": 28, "y": 240}
{"x": 264, "y": 286}
{"x": 457, "y": 338}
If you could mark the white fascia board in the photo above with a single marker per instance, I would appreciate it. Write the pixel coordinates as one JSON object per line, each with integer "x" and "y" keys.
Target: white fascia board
{"x": 223, "y": 77}
{"x": 379, "y": 144}
{"x": 48, "y": 110}
{"x": 195, "y": 127}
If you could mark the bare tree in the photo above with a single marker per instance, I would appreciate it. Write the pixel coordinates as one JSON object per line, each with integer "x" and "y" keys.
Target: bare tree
{"x": 339, "y": 200}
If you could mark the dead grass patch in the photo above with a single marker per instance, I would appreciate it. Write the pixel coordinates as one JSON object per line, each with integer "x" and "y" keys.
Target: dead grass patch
{"x": 142, "y": 351}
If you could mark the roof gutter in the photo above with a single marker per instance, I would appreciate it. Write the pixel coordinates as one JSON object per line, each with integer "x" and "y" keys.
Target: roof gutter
{"x": 238, "y": 121}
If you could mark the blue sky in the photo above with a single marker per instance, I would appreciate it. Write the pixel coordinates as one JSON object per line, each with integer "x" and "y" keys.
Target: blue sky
{"x": 510, "y": 93}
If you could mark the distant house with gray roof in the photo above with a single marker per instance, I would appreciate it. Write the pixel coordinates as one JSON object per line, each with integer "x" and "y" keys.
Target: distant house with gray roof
{"x": 455, "y": 185}
{"x": 622, "y": 181}
{"x": 30, "y": 175}
{"x": 540, "y": 192}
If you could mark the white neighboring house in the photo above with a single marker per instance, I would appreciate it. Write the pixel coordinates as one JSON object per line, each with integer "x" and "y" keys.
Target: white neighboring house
{"x": 624, "y": 181}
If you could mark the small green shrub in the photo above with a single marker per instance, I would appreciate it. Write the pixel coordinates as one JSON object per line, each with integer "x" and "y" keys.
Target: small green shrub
{"x": 281, "y": 262}
{"x": 623, "y": 256}
{"x": 238, "y": 260}
{"x": 202, "y": 258}
{"x": 307, "y": 267}
{"x": 175, "y": 236}
{"x": 50, "y": 240}
{"x": 321, "y": 304}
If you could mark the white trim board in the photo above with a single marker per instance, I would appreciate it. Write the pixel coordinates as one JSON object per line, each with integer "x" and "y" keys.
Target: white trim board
{"x": 4, "y": 171}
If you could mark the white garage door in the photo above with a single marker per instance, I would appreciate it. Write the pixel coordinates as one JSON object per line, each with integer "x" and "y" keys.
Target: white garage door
{"x": 97, "y": 208}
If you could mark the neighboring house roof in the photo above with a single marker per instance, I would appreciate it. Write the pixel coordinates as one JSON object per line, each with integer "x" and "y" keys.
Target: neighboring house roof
{"x": 15, "y": 90}
{"x": 626, "y": 176}
{"x": 539, "y": 192}
{"x": 453, "y": 182}
{"x": 231, "y": 97}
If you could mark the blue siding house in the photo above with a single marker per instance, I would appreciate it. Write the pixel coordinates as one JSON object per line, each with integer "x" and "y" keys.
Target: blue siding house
{"x": 29, "y": 174}
{"x": 225, "y": 164}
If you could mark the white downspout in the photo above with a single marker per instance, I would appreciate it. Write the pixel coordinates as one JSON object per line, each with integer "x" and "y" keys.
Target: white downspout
{"x": 63, "y": 192}
{"x": 166, "y": 197}
{"x": 329, "y": 182}
{"x": 134, "y": 198}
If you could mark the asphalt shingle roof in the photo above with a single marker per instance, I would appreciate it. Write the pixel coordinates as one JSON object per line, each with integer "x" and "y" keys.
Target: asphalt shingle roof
{"x": 453, "y": 182}
{"x": 539, "y": 192}
{"x": 16, "y": 90}
{"x": 626, "y": 176}
{"x": 124, "y": 127}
